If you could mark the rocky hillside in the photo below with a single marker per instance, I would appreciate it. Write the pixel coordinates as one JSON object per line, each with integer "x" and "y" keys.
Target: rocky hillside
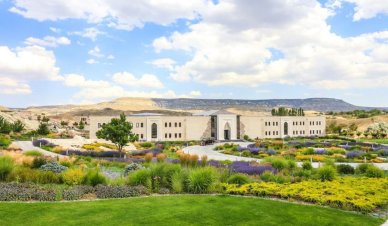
{"x": 313, "y": 104}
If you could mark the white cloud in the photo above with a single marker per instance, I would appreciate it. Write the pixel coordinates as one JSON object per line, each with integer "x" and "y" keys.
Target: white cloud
{"x": 146, "y": 80}
{"x": 28, "y": 63}
{"x": 91, "y": 33}
{"x": 92, "y": 61}
{"x": 55, "y": 30}
{"x": 48, "y": 41}
{"x": 110, "y": 57}
{"x": 241, "y": 37}
{"x": 11, "y": 87}
{"x": 96, "y": 52}
{"x": 195, "y": 93}
{"x": 120, "y": 14}
{"x": 76, "y": 80}
{"x": 166, "y": 63}
{"x": 366, "y": 9}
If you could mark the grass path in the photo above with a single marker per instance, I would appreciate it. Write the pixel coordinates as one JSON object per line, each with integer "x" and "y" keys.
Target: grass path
{"x": 177, "y": 210}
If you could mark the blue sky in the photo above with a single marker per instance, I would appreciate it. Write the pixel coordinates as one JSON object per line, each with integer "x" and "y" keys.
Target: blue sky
{"x": 77, "y": 52}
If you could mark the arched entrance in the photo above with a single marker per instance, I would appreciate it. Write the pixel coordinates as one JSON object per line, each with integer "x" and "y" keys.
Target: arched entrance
{"x": 227, "y": 131}
{"x": 154, "y": 131}
{"x": 285, "y": 129}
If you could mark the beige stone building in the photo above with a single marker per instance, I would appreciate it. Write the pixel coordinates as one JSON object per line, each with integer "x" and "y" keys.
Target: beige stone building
{"x": 220, "y": 125}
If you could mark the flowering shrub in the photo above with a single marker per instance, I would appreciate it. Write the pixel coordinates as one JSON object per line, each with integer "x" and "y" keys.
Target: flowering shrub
{"x": 354, "y": 154}
{"x": 360, "y": 194}
{"x": 99, "y": 154}
{"x": 73, "y": 176}
{"x": 41, "y": 142}
{"x": 25, "y": 192}
{"x": 120, "y": 191}
{"x": 247, "y": 168}
{"x": 77, "y": 192}
{"x": 320, "y": 151}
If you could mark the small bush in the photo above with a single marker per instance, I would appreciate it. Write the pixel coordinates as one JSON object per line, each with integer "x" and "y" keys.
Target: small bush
{"x": 277, "y": 163}
{"x": 73, "y": 176}
{"x": 327, "y": 173}
{"x": 25, "y": 192}
{"x": 93, "y": 178}
{"x": 104, "y": 191}
{"x": 148, "y": 157}
{"x": 178, "y": 181}
{"x": 164, "y": 191}
{"x": 76, "y": 192}
{"x": 345, "y": 169}
{"x": 146, "y": 144}
{"x": 140, "y": 177}
{"x": 161, "y": 157}
{"x": 361, "y": 169}
{"x": 374, "y": 171}
{"x": 204, "y": 160}
{"x": 4, "y": 142}
{"x": 201, "y": 180}
{"x": 193, "y": 160}
{"x": 239, "y": 179}
{"x": 306, "y": 165}
{"x": 33, "y": 153}
{"x": 54, "y": 167}
{"x": 38, "y": 162}
{"x": 6, "y": 167}
{"x": 132, "y": 167}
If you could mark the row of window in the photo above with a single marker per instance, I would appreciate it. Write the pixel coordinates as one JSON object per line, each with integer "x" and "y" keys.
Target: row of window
{"x": 318, "y": 123}
{"x": 176, "y": 135}
{"x": 268, "y": 133}
{"x": 296, "y": 132}
{"x": 273, "y": 123}
{"x": 139, "y": 124}
{"x": 176, "y": 124}
{"x": 296, "y": 123}
{"x": 315, "y": 132}
{"x": 140, "y": 136}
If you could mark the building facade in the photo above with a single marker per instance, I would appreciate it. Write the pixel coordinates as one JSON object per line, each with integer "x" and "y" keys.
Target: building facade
{"x": 219, "y": 125}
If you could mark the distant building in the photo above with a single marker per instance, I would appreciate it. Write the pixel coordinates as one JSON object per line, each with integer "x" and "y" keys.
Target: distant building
{"x": 220, "y": 125}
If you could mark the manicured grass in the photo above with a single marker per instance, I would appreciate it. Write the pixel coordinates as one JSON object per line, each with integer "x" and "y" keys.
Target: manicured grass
{"x": 177, "y": 210}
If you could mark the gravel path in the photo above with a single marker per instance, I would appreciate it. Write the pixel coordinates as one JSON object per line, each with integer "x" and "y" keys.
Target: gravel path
{"x": 27, "y": 146}
{"x": 215, "y": 155}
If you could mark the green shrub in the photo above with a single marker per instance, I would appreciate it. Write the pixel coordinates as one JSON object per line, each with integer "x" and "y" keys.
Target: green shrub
{"x": 246, "y": 153}
{"x": 76, "y": 192}
{"x": 374, "y": 171}
{"x": 345, "y": 169}
{"x": 140, "y": 177}
{"x": 33, "y": 153}
{"x": 93, "y": 178}
{"x": 161, "y": 174}
{"x": 327, "y": 173}
{"x": 239, "y": 179}
{"x": 38, "y": 162}
{"x": 201, "y": 180}
{"x": 25, "y": 192}
{"x": 132, "y": 167}
{"x": 54, "y": 167}
{"x": 47, "y": 177}
{"x": 306, "y": 165}
{"x": 268, "y": 176}
{"x": 146, "y": 144}
{"x": 107, "y": 191}
{"x": 361, "y": 169}
{"x": 277, "y": 163}
{"x": 73, "y": 176}
{"x": 178, "y": 181}
{"x": 6, "y": 167}
{"x": 4, "y": 142}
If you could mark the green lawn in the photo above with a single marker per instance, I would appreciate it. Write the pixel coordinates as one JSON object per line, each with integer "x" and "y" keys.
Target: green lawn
{"x": 177, "y": 210}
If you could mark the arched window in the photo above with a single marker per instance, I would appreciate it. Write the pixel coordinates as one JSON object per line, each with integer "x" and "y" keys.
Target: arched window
{"x": 154, "y": 130}
{"x": 285, "y": 128}
{"x": 227, "y": 132}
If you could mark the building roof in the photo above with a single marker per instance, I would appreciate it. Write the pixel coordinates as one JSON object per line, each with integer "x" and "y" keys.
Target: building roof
{"x": 213, "y": 112}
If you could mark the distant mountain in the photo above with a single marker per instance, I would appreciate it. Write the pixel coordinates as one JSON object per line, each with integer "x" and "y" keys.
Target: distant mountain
{"x": 314, "y": 104}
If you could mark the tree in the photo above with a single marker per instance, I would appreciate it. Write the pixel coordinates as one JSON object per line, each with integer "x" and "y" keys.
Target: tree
{"x": 38, "y": 117}
{"x": 5, "y": 126}
{"x": 118, "y": 131}
{"x": 45, "y": 119}
{"x": 64, "y": 123}
{"x": 17, "y": 126}
{"x": 81, "y": 125}
{"x": 43, "y": 129}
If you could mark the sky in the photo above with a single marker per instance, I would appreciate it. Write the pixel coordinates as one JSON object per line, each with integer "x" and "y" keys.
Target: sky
{"x": 80, "y": 52}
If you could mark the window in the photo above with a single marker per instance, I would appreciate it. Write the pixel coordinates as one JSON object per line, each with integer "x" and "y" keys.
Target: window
{"x": 137, "y": 125}
{"x": 169, "y": 135}
{"x": 141, "y": 125}
{"x": 266, "y": 133}
{"x": 277, "y": 123}
{"x": 176, "y": 135}
{"x": 277, "y": 132}
{"x": 265, "y": 125}
{"x": 165, "y": 135}
{"x": 176, "y": 124}
{"x": 169, "y": 124}
{"x": 154, "y": 130}
{"x": 98, "y": 125}
{"x": 180, "y": 135}
{"x": 285, "y": 128}
{"x": 141, "y": 136}
{"x": 296, "y": 132}
{"x": 273, "y": 123}
{"x": 165, "y": 124}
{"x": 180, "y": 124}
